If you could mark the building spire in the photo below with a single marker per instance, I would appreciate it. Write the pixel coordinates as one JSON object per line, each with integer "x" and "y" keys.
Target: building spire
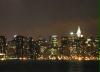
{"x": 78, "y": 32}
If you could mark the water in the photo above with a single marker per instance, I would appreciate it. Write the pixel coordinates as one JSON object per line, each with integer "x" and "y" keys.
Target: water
{"x": 49, "y": 66}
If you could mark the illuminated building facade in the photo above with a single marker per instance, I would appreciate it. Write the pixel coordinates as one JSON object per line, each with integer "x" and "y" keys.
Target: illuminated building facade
{"x": 2, "y": 44}
{"x": 54, "y": 41}
{"x": 68, "y": 47}
{"x": 21, "y": 49}
{"x": 11, "y": 49}
{"x": 2, "y": 47}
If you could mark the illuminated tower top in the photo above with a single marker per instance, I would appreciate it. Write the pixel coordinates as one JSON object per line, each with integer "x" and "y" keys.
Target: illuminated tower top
{"x": 78, "y": 32}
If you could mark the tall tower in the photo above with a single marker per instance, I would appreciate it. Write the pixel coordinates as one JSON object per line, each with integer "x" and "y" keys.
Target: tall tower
{"x": 78, "y": 32}
{"x": 54, "y": 41}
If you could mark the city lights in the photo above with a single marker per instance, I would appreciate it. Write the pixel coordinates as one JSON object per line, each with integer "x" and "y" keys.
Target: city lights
{"x": 71, "y": 33}
{"x": 76, "y": 47}
{"x": 78, "y": 32}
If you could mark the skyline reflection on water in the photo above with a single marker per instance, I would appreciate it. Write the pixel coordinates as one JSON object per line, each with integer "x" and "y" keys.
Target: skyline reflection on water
{"x": 50, "y": 66}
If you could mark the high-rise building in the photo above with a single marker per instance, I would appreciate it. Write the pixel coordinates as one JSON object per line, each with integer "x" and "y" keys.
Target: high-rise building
{"x": 64, "y": 48}
{"x": 78, "y": 32}
{"x": 11, "y": 49}
{"x": 33, "y": 48}
{"x": 2, "y": 47}
{"x": 2, "y": 44}
{"x": 19, "y": 42}
{"x": 54, "y": 41}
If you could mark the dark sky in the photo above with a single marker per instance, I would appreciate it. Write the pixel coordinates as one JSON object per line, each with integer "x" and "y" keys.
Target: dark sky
{"x": 44, "y": 17}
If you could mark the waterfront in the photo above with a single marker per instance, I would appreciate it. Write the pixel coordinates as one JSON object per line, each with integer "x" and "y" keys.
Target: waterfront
{"x": 49, "y": 66}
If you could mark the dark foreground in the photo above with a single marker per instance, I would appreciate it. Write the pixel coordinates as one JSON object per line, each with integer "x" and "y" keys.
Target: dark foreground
{"x": 49, "y": 66}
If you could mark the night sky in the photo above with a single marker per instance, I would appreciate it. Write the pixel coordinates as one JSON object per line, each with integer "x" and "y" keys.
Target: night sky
{"x": 45, "y": 17}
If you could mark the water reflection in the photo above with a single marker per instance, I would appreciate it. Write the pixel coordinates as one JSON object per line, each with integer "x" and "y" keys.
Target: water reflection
{"x": 50, "y": 66}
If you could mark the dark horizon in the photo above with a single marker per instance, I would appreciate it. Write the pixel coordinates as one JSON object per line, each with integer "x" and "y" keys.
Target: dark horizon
{"x": 45, "y": 17}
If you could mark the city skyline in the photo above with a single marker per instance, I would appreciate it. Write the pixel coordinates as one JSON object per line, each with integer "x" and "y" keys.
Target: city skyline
{"x": 75, "y": 46}
{"x": 79, "y": 32}
{"x": 49, "y": 36}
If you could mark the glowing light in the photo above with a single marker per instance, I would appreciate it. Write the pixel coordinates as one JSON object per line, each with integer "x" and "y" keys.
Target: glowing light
{"x": 24, "y": 58}
{"x": 52, "y": 57}
{"x": 20, "y": 58}
{"x": 15, "y": 36}
{"x": 81, "y": 35}
{"x": 79, "y": 58}
{"x": 71, "y": 33}
{"x": 2, "y": 59}
{"x": 54, "y": 36}
{"x": 78, "y": 32}
{"x": 87, "y": 58}
{"x": 59, "y": 58}
{"x": 88, "y": 39}
{"x": 2, "y": 54}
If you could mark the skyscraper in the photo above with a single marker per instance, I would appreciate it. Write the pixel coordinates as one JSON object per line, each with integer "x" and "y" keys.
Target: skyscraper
{"x": 54, "y": 41}
{"x": 78, "y": 32}
{"x": 2, "y": 44}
